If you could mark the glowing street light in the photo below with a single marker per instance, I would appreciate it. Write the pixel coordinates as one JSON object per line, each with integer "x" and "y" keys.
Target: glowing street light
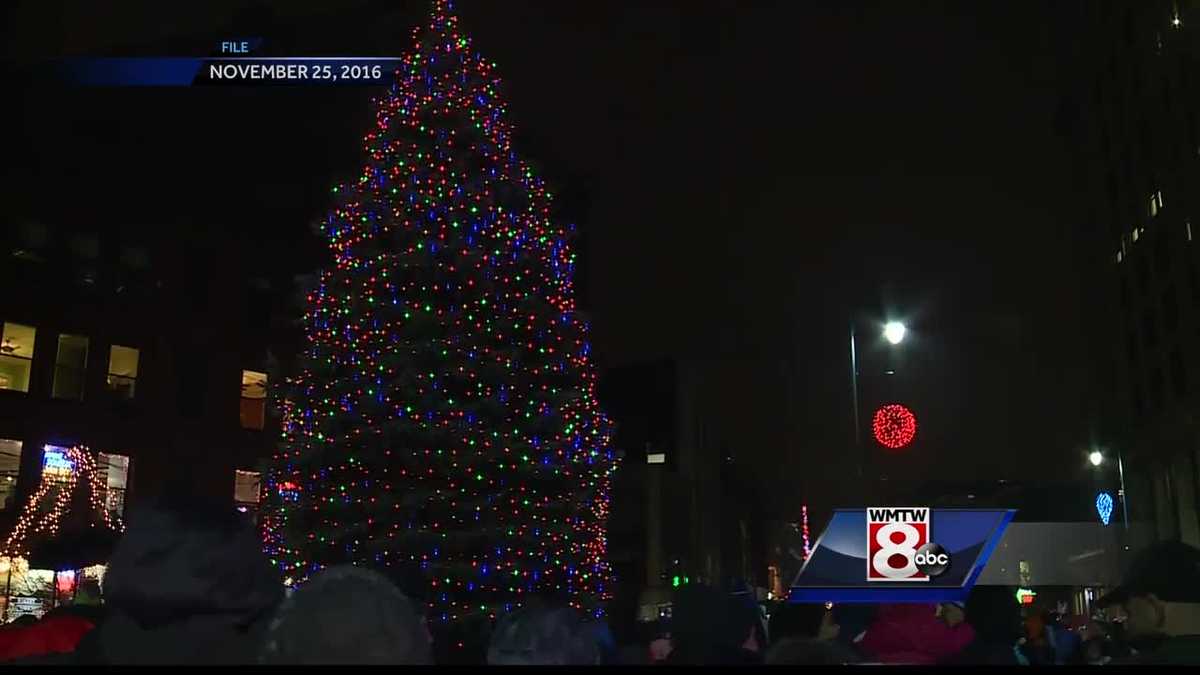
{"x": 893, "y": 332}
{"x": 1096, "y": 458}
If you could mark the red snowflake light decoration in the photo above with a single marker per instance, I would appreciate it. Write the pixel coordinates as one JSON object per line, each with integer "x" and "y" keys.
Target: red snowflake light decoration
{"x": 894, "y": 426}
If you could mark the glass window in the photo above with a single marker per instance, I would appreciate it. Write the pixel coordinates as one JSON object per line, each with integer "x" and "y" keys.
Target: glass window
{"x": 246, "y": 489}
{"x": 16, "y": 356}
{"x": 254, "y": 399}
{"x": 70, "y": 367}
{"x": 57, "y": 463}
{"x": 122, "y": 370}
{"x": 10, "y": 467}
{"x": 115, "y": 477}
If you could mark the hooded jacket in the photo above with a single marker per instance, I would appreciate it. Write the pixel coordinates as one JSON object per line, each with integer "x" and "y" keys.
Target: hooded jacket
{"x": 185, "y": 585}
{"x": 912, "y": 634}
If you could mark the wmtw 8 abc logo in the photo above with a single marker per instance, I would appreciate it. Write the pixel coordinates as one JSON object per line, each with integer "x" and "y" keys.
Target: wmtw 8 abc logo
{"x": 900, "y": 545}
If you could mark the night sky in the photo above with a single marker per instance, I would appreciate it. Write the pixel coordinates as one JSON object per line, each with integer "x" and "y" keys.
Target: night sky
{"x": 754, "y": 173}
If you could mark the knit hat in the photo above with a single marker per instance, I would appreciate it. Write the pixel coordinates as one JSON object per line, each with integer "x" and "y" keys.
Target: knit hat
{"x": 347, "y": 615}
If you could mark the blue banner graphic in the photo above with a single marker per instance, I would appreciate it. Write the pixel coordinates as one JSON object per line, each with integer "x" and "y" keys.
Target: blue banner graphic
{"x": 894, "y": 555}
{"x": 226, "y": 71}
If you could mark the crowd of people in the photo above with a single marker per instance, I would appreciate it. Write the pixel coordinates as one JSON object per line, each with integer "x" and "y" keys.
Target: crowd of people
{"x": 190, "y": 585}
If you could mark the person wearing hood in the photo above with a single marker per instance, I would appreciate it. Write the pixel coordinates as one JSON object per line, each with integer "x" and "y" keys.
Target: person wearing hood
{"x": 995, "y": 615}
{"x": 188, "y": 583}
{"x": 709, "y": 627}
{"x": 916, "y": 634}
{"x": 545, "y": 633}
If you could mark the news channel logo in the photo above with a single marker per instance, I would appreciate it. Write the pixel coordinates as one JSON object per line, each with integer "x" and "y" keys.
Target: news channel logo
{"x": 909, "y": 554}
{"x": 900, "y": 545}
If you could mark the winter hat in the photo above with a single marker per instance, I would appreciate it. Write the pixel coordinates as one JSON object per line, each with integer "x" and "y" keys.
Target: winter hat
{"x": 347, "y": 615}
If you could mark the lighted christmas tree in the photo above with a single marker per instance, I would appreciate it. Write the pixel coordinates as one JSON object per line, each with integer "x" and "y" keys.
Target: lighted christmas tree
{"x": 445, "y": 411}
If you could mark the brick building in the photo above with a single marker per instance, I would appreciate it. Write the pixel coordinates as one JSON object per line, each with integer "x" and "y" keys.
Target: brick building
{"x": 152, "y": 346}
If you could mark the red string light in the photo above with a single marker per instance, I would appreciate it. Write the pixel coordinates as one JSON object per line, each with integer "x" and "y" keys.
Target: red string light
{"x": 894, "y": 426}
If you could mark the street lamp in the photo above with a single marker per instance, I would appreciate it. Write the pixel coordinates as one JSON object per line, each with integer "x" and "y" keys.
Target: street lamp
{"x": 1097, "y": 458}
{"x": 893, "y": 332}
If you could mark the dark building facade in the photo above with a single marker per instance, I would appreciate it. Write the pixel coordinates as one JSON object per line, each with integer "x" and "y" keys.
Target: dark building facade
{"x": 1134, "y": 124}
{"x": 151, "y": 346}
{"x": 683, "y": 505}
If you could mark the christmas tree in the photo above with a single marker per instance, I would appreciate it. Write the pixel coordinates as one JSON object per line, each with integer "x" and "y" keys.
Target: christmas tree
{"x": 444, "y": 411}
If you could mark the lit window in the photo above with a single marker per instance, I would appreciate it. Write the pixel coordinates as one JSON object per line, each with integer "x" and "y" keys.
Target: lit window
{"x": 1154, "y": 206}
{"x": 122, "y": 370}
{"x": 254, "y": 400}
{"x": 70, "y": 367}
{"x": 1135, "y": 234}
{"x": 1119, "y": 257}
{"x": 10, "y": 467}
{"x": 56, "y": 463}
{"x": 247, "y": 487}
{"x": 1188, "y": 224}
{"x": 115, "y": 477}
{"x": 16, "y": 356}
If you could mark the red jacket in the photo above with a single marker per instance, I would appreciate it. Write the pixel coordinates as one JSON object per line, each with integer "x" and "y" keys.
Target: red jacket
{"x": 913, "y": 634}
{"x": 53, "y": 635}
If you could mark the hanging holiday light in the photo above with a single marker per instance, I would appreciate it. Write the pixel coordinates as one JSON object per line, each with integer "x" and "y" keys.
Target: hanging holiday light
{"x": 804, "y": 529}
{"x": 894, "y": 426}
{"x": 62, "y": 469}
{"x": 1104, "y": 506}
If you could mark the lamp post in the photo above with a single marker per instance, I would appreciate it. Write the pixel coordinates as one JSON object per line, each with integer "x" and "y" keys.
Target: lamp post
{"x": 893, "y": 332}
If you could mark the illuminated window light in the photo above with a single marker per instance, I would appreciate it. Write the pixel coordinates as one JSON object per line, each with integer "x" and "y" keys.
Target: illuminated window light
{"x": 55, "y": 461}
{"x": 1188, "y": 226}
{"x": 1135, "y": 234}
{"x": 656, "y": 458}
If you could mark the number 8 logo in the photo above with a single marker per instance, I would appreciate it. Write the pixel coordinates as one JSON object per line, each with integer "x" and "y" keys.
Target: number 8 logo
{"x": 881, "y": 561}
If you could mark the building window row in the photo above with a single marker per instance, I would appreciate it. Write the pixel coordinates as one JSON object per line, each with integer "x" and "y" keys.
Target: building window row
{"x": 70, "y": 364}
{"x": 113, "y": 470}
{"x": 70, "y": 371}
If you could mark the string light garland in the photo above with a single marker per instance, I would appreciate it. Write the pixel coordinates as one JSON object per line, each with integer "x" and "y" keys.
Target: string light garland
{"x": 445, "y": 418}
{"x": 804, "y": 530}
{"x": 43, "y": 513}
{"x": 1104, "y": 507}
{"x": 894, "y": 426}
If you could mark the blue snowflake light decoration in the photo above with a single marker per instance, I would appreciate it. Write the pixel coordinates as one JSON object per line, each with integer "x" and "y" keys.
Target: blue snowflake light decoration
{"x": 1104, "y": 506}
